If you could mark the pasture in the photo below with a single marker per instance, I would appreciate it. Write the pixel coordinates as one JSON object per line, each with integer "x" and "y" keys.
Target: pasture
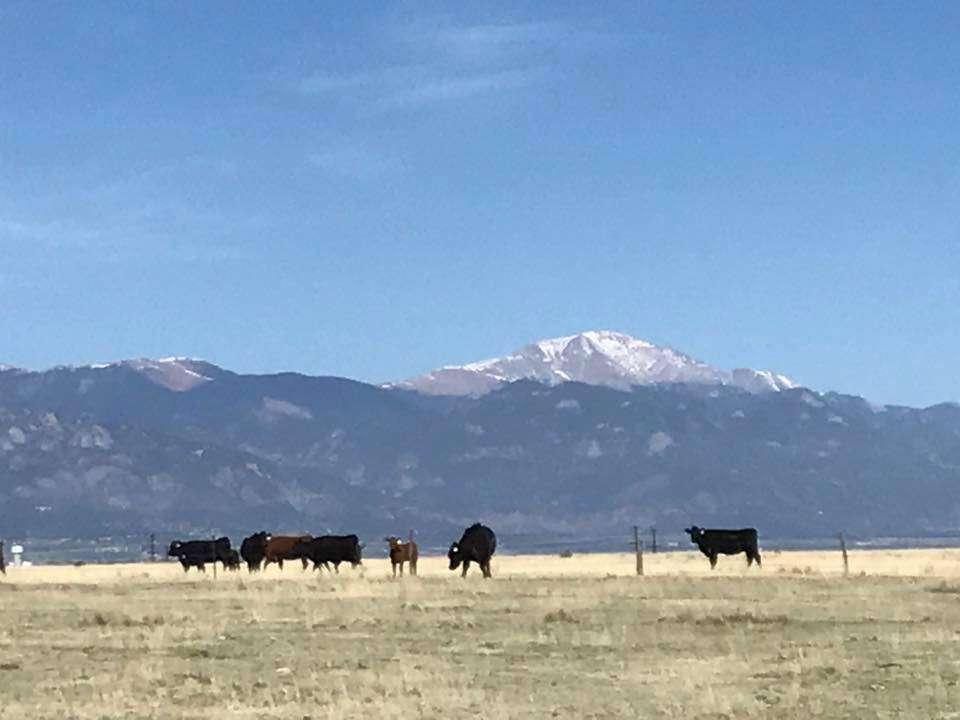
{"x": 579, "y": 637}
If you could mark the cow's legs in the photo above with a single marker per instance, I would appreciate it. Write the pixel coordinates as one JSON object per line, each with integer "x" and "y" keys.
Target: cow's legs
{"x": 413, "y": 567}
{"x": 749, "y": 558}
{"x": 305, "y": 562}
{"x": 280, "y": 563}
{"x": 401, "y": 568}
{"x": 466, "y": 566}
{"x": 756, "y": 556}
{"x": 486, "y": 569}
{"x": 713, "y": 560}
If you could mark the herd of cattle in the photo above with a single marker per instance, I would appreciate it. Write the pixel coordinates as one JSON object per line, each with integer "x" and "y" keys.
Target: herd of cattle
{"x": 477, "y": 544}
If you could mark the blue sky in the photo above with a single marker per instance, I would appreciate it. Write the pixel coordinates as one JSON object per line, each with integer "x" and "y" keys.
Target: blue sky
{"x": 373, "y": 191}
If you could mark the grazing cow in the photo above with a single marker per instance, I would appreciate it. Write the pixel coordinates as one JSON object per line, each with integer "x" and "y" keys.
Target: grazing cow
{"x": 252, "y": 550}
{"x": 278, "y": 548}
{"x": 727, "y": 542}
{"x": 197, "y": 553}
{"x": 477, "y": 545}
{"x": 401, "y": 552}
{"x": 3, "y": 565}
{"x": 329, "y": 549}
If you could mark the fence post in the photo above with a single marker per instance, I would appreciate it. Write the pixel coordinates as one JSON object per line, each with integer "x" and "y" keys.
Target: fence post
{"x": 153, "y": 547}
{"x": 213, "y": 554}
{"x": 3, "y": 565}
{"x": 843, "y": 549}
{"x": 638, "y": 548}
{"x": 653, "y": 544}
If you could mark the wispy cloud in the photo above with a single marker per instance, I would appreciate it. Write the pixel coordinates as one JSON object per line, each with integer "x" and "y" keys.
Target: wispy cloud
{"x": 170, "y": 212}
{"x": 465, "y": 86}
{"x": 477, "y": 41}
{"x": 399, "y": 87}
{"x": 466, "y": 62}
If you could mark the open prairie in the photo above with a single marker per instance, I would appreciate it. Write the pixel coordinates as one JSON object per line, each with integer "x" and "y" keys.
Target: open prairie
{"x": 579, "y": 637}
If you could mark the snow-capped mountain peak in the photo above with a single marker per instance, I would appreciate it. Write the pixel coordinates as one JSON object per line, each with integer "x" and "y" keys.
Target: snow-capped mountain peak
{"x": 174, "y": 373}
{"x": 595, "y": 357}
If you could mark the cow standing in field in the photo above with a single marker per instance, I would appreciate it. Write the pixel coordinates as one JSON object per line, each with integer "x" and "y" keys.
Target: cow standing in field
{"x": 401, "y": 552}
{"x": 477, "y": 544}
{"x": 726, "y": 542}
{"x": 284, "y": 547}
{"x": 197, "y": 553}
{"x": 252, "y": 550}
{"x": 327, "y": 549}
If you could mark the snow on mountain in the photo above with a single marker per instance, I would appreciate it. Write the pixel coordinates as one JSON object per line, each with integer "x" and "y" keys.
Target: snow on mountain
{"x": 174, "y": 373}
{"x": 596, "y": 357}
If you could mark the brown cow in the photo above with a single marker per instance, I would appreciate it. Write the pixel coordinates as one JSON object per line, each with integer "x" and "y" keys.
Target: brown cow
{"x": 278, "y": 548}
{"x": 401, "y": 552}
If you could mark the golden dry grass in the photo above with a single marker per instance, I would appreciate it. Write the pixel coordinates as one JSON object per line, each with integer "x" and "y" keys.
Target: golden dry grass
{"x": 547, "y": 637}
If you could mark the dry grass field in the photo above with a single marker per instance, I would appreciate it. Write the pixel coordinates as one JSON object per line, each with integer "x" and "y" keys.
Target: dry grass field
{"x": 547, "y": 637}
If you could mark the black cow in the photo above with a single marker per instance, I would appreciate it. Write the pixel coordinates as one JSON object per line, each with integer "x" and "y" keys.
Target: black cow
{"x": 333, "y": 549}
{"x": 197, "y": 553}
{"x": 477, "y": 545}
{"x": 726, "y": 542}
{"x": 253, "y": 549}
{"x": 233, "y": 561}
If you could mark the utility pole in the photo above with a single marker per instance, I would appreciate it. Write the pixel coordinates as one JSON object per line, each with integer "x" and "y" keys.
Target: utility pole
{"x": 653, "y": 538}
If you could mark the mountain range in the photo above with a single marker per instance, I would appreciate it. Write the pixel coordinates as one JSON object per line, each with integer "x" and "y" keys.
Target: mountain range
{"x": 573, "y": 439}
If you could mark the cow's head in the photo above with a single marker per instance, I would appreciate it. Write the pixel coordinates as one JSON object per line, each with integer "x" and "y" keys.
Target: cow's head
{"x": 455, "y": 556}
{"x": 174, "y": 550}
{"x": 694, "y": 533}
{"x": 257, "y": 540}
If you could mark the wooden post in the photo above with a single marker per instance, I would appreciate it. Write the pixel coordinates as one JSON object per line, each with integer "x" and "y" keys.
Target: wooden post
{"x": 653, "y": 544}
{"x": 3, "y": 565}
{"x": 153, "y": 547}
{"x": 638, "y": 548}
{"x": 843, "y": 549}
{"x": 213, "y": 554}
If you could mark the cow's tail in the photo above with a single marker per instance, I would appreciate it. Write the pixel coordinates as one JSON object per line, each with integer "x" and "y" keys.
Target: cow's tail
{"x": 755, "y": 548}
